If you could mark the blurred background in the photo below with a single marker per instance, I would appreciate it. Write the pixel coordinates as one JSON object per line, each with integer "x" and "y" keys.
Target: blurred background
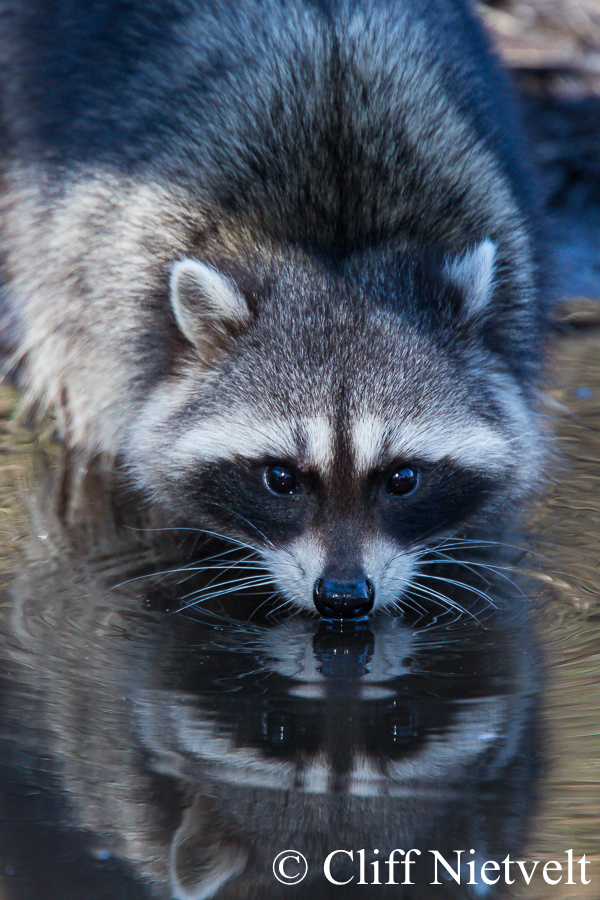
{"x": 553, "y": 49}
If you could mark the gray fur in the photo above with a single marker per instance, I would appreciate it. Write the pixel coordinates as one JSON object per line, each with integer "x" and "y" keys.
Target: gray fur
{"x": 345, "y": 167}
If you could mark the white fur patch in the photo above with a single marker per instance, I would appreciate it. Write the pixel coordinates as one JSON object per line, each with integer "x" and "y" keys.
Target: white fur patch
{"x": 319, "y": 442}
{"x": 225, "y": 437}
{"x": 296, "y": 568}
{"x": 242, "y": 432}
{"x": 388, "y": 568}
{"x": 469, "y": 444}
{"x": 367, "y": 439}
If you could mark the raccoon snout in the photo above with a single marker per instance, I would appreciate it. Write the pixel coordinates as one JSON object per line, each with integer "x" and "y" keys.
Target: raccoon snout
{"x": 343, "y": 600}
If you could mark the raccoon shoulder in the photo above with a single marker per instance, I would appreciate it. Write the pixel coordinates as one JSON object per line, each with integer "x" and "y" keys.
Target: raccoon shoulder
{"x": 138, "y": 135}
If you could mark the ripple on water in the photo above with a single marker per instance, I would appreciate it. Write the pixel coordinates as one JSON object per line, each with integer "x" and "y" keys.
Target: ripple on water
{"x": 137, "y": 743}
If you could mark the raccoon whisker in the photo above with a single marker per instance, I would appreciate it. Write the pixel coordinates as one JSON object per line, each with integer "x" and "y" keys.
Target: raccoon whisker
{"x": 462, "y": 584}
{"x": 239, "y": 571}
{"x": 210, "y": 613}
{"x": 237, "y": 515}
{"x": 250, "y": 557}
{"x": 448, "y": 604}
{"x": 419, "y": 555}
{"x": 232, "y": 567}
{"x": 238, "y": 588}
{"x": 285, "y": 602}
{"x": 201, "y": 532}
{"x": 430, "y": 593}
{"x": 192, "y": 569}
{"x": 457, "y": 543}
{"x": 399, "y": 603}
{"x": 429, "y": 612}
{"x": 228, "y": 565}
{"x": 247, "y": 581}
{"x": 454, "y": 542}
{"x": 225, "y": 537}
{"x": 163, "y": 573}
{"x": 151, "y": 529}
{"x": 451, "y": 547}
{"x": 196, "y": 602}
{"x": 471, "y": 565}
{"x": 232, "y": 546}
{"x": 444, "y": 558}
{"x": 189, "y": 574}
{"x": 258, "y": 531}
{"x": 266, "y": 600}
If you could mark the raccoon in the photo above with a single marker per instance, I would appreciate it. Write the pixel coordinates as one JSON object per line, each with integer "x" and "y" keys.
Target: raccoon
{"x": 279, "y": 262}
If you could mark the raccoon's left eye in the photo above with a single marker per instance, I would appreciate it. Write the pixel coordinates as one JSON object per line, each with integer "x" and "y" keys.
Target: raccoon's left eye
{"x": 280, "y": 480}
{"x": 403, "y": 481}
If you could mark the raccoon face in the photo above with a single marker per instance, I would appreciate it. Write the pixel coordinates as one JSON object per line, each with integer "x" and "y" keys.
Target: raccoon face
{"x": 330, "y": 435}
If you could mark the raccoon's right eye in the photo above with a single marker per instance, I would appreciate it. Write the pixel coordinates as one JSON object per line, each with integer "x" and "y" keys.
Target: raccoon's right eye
{"x": 280, "y": 480}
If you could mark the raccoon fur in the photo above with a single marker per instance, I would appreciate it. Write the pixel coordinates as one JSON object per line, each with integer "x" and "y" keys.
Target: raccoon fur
{"x": 279, "y": 261}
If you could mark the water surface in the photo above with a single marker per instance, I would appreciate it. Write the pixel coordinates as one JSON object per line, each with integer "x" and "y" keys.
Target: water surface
{"x": 149, "y": 752}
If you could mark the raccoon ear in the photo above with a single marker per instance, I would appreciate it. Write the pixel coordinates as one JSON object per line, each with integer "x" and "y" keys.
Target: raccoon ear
{"x": 473, "y": 274}
{"x": 208, "y": 308}
{"x": 203, "y": 857}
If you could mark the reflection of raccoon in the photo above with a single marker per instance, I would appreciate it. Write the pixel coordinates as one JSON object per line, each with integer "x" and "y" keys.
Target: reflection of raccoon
{"x": 277, "y": 259}
{"x": 162, "y": 770}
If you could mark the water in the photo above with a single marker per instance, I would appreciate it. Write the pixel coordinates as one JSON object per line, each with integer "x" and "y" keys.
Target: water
{"x": 151, "y": 753}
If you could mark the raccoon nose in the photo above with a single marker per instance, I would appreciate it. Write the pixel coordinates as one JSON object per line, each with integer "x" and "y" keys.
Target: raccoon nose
{"x": 343, "y": 600}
